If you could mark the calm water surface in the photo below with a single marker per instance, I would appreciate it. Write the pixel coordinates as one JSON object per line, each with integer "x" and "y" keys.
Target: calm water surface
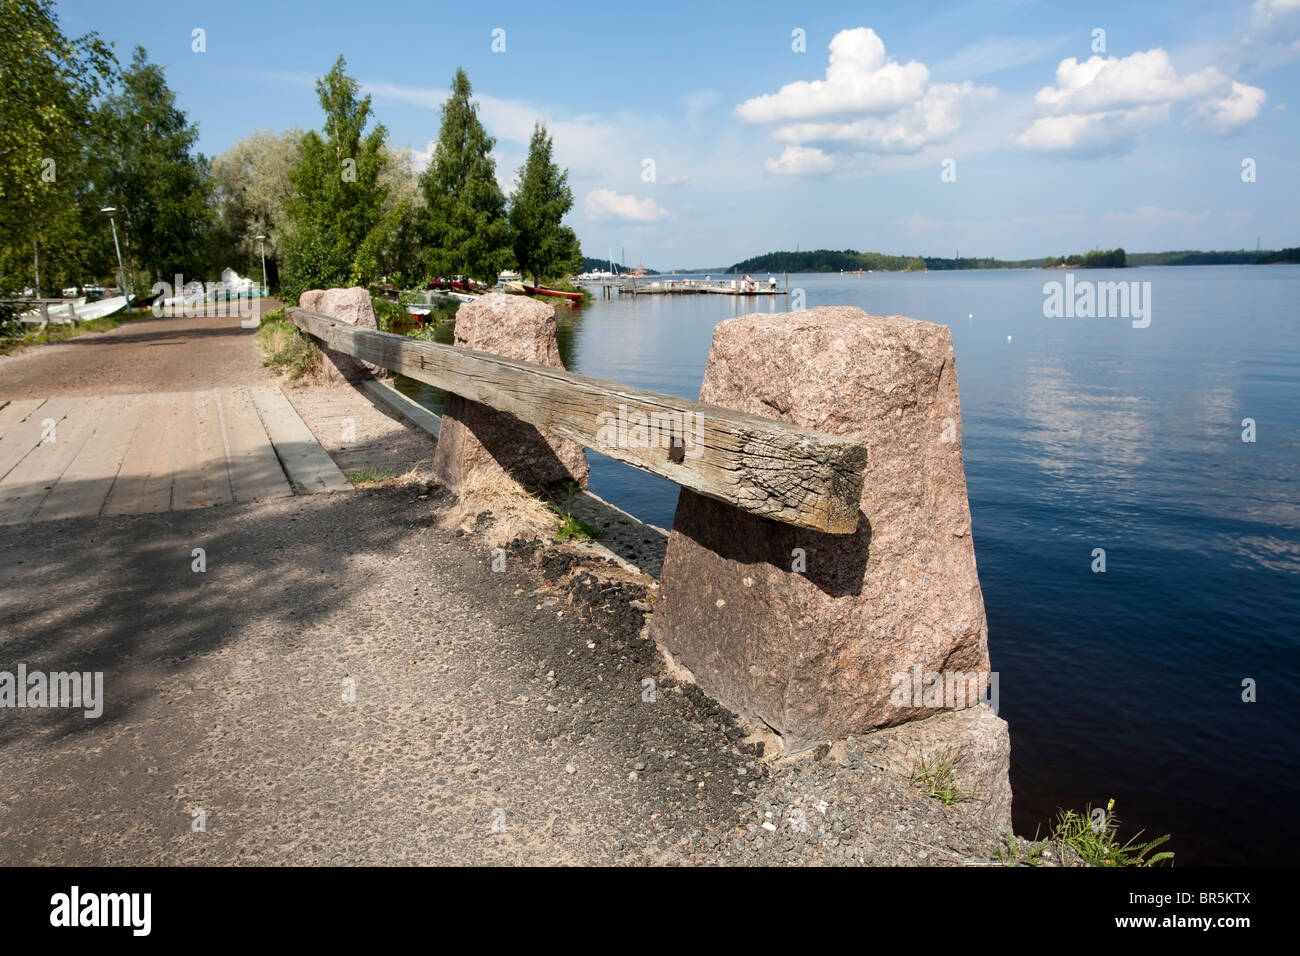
{"x": 1082, "y": 434}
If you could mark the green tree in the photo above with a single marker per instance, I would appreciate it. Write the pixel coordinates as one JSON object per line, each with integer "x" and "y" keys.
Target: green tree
{"x": 336, "y": 212}
{"x": 48, "y": 83}
{"x": 251, "y": 189}
{"x": 147, "y": 170}
{"x": 465, "y": 226}
{"x": 399, "y": 254}
{"x": 543, "y": 245}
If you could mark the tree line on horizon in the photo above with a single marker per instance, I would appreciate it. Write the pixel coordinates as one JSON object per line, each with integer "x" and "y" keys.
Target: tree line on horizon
{"x": 850, "y": 260}
{"x": 338, "y": 206}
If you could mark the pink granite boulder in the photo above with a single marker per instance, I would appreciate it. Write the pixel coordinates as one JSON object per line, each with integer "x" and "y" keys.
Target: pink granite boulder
{"x": 353, "y": 307}
{"x": 809, "y": 632}
{"x": 475, "y": 436}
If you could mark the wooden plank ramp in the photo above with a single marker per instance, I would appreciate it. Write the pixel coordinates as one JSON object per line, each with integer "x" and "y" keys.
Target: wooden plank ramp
{"x": 15, "y": 411}
{"x": 26, "y": 487}
{"x": 202, "y": 477}
{"x": 21, "y": 437}
{"x": 140, "y": 454}
{"x": 255, "y": 471}
{"x": 84, "y": 486}
{"x": 307, "y": 464}
{"x": 144, "y": 483}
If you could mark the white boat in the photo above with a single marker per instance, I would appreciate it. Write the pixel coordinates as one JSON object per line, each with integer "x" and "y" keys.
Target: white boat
{"x": 509, "y": 275}
{"x": 432, "y": 298}
{"x": 101, "y": 309}
{"x": 78, "y": 310}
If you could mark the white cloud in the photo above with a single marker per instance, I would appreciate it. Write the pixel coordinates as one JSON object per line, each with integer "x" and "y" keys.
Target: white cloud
{"x": 604, "y": 204}
{"x": 800, "y": 161}
{"x": 1273, "y": 37}
{"x": 590, "y": 146}
{"x": 1224, "y": 114}
{"x": 1091, "y": 134}
{"x": 1102, "y": 104}
{"x": 1140, "y": 79}
{"x": 868, "y": 102}
{"x": 1267, "y": 12}
{"x": 859, "y": 78}
{"x": 420, "y": 158}
{"x": 931, "y": 118}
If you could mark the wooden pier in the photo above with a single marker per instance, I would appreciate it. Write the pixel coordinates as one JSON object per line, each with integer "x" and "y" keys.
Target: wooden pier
{"x": 688, "y": 285}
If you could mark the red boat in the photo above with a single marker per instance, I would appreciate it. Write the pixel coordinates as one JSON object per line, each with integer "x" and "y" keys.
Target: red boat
{"x": 534, "y": 290}
{"x": 457, "y": 282}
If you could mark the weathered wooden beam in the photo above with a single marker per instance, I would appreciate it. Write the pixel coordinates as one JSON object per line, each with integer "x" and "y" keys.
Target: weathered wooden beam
{"x": 784, "y": 472}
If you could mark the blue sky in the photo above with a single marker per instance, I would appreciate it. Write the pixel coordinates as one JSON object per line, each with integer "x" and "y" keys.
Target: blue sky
{"x": 1056, "y": 146}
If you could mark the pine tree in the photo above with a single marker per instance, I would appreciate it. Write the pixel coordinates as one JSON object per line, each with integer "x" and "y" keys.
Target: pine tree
{"x": 465, "y": 227}
{"x": 336, "y": 210}
{"x": 544, "y": 247}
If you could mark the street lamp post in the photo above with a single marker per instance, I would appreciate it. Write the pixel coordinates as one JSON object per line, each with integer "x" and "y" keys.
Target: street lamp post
{"x": 261, "y": 241}
{"x": 109, "y": 211}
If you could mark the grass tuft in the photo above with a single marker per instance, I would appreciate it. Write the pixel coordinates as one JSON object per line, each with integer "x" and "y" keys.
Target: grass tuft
{"x": 1012, "y": 855}
{"x": 1095, "y": 837}
{"x": 369, "y": 474}
{"x": 287, "y": 349}
{"x": 514, "y": 513}
{"x": 1091, "y": 838}
{"x": 570, "y": 527}
{"x": 936, "y": 776}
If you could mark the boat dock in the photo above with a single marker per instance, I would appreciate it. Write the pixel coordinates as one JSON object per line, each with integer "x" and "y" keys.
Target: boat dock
{"x": 687, "y": 285}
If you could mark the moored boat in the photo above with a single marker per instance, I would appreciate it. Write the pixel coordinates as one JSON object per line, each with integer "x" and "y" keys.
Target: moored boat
{"x": 536, "y": 290}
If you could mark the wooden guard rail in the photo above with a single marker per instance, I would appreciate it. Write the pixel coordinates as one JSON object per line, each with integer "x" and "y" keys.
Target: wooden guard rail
{"x": 779, "y": 471}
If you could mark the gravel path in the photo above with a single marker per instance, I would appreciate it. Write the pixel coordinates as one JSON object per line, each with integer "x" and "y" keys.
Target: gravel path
{"x": 141, "y": 355}
{"x": 347, "y": 682}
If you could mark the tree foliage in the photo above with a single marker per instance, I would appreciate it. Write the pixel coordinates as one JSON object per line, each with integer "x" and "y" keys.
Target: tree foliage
{"x": 143, "y": 165}
{"x": 828, "y": 260}
{"x": 397, "y": 253}
{"x": 543, "y": 245}
{"x": 251, "y": 190}
{"x": 48, "y": 84}
{"x": 1093, "y": 259}
{"x": 464, "y": 224}
{"x": 337, "y": 204}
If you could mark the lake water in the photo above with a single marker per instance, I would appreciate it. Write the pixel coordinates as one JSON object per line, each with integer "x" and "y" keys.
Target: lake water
{"x": 1079, "y": 434}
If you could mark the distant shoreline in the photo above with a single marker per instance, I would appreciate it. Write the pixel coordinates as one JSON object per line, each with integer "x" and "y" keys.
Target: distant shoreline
{"x": 832, "y": 261}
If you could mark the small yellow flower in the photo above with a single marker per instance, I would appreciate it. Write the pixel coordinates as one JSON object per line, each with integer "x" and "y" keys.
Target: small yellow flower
{"x": 1110, "y": 804}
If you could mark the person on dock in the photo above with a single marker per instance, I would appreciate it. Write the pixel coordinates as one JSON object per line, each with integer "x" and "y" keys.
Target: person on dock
{"x": 771, "y": 284}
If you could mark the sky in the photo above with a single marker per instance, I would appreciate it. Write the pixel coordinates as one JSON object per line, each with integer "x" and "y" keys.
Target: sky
{"x": 699, "y": 134}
